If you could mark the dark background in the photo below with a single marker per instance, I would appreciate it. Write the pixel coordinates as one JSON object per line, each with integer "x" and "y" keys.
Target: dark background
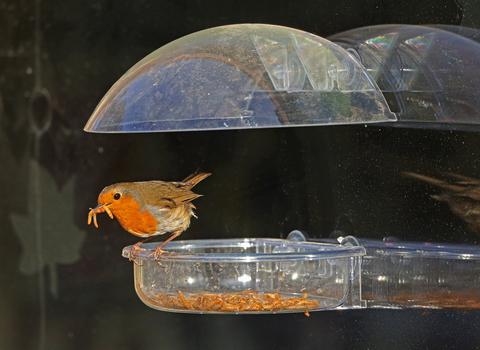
{"x": 76, "y": 291}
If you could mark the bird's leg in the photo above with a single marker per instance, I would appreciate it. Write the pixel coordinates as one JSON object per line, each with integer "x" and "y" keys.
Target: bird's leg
{"x": 158, "y": 251}
{"x": 136, "y": 246}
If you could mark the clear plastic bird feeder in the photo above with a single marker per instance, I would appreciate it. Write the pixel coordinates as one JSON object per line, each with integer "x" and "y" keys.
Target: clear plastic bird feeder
{"x": 241, "y": 76}
{"x": 429, "y": 76}
{"x": 253, "y": 275}
{"x": 259, "y": 76}
{"x": 397, "y": 274}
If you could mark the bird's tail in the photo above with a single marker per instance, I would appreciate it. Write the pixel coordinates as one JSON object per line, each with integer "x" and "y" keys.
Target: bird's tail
{"x": 190, "y": 181}
{"x": 436, "y": 182}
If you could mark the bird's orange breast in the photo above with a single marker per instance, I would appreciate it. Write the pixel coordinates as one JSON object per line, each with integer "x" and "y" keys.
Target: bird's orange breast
{"x": 137, "y": 222}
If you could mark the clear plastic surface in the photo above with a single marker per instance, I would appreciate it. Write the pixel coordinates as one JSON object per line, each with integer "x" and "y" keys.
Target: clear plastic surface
{"x": 428, "y": 75}
{"x": 248, "y": 276}
{"x": 241, "y": 76}
{"x": 418, "y": 275}
{"x": 425, "y": 275}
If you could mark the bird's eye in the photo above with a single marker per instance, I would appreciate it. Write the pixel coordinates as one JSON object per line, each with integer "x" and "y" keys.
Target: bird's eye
{"x": 116, "y": 196}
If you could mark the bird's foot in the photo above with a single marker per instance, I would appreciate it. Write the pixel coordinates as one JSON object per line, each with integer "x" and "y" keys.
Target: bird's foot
{"x": 135, "y": 247}
{"x": 157, "y": 253}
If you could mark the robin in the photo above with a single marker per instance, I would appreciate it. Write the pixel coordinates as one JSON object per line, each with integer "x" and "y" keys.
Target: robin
{"x": 150, "y": 208}
{"x": 461, "y": 193}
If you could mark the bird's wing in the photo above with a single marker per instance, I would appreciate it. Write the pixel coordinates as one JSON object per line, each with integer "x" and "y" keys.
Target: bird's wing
{"x": 166, "y": 194}
{"x": 182, "y": 197}
{"x": 463, "y": 180}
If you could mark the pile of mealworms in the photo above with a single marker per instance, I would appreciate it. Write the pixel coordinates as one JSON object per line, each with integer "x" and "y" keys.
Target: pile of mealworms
{"x": 244, "y": 301}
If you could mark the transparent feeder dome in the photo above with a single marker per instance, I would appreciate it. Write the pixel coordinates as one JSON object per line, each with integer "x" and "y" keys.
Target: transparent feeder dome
{"x": 241, "y": 76}
{"x": 429, "y": 75}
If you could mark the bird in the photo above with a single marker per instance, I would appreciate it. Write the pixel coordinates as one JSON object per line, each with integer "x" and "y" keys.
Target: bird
{"x": 461, "y": 193}
{"x": 147, "y": 209}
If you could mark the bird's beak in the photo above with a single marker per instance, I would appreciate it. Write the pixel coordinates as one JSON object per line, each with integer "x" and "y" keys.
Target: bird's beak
{"x": 100, "y": 208}
{"x": 104, "y": 206}
{"x": 101, "y": 205}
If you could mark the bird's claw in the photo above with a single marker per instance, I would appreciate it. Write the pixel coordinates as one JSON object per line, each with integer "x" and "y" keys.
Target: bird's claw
{"x": 133, "y": 250}
{"x": 157, "y": 253}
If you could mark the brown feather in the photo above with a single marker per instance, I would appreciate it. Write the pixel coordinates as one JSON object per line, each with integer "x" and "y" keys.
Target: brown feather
{"x": 194, "y": 179}
{"x": 462, "y": 195}
{"x": 150, "y": 208}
